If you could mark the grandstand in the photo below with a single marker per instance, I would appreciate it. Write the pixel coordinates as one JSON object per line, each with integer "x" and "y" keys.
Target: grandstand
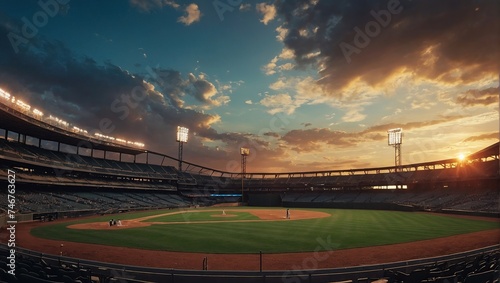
{"x": 63, "y": 173}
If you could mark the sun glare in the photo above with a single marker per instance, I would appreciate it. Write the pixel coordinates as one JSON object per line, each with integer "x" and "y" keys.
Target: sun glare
{"x": 461, "y": 157}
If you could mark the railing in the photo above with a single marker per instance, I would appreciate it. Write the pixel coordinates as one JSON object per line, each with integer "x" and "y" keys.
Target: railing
{"x": 128, "y": 273}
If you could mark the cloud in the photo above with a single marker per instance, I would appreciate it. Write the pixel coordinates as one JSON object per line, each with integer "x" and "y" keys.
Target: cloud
{"x": 286, "y": 54}
{"x": 249, "y": 102}
{"x": 271, "y": 134}
{"x": 481, "y": 97}
{"x": 279, "y": 103}
{"x": 314, "y": 139}
{"x": 270, "y": 68}
{"x": 192, "y": 15}
{"x": 202, "y": 90}
{"x": 354, "y": 115}
{"x": 205, "y": 92}
{"x": 192, "y": 11}
{"x": 306, "y": 91}
{"x": 310, "y": 139}
{"x": 150, "y": 5}
{"x": 452, "y": 42}
{"x": 279, "y": 84}
{"x": 284, "y": 102}
{"x": 177, "y": 89}
{"x": 268, "y": 12}
{"x": 226, "y": 87}
{"x": 487, "y": 136}
{"x": 282, "y": 33}
{"x": 245, "y": 7}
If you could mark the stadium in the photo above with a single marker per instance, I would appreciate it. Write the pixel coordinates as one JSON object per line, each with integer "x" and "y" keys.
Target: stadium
{"x": 87, "y": 208}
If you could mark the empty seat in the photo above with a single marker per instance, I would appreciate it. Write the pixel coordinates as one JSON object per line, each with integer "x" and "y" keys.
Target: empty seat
{"x": 482, "y": 277}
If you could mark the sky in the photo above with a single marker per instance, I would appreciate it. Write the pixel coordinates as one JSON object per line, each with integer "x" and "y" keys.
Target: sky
{"x": 306, "y": 85}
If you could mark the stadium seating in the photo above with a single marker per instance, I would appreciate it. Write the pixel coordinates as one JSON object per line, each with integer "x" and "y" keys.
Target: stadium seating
{"x": 71, "y": 161}
{"x": 480, "y": 269}
{"x": 486, "y": 201}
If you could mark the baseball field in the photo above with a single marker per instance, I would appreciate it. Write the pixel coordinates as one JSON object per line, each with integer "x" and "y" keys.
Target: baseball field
{"x": 250, "y": 230}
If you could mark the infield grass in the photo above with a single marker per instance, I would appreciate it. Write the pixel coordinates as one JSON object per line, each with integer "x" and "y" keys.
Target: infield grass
{"x": 195, "y": 216}
{"x": 343, "y": 229}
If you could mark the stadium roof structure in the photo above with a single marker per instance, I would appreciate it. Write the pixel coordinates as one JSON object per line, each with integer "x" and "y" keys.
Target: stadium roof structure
{"x": 488, "y": 152}
{"x": 13, "y": 120}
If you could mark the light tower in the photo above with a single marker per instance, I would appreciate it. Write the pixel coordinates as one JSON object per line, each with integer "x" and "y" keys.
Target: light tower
{"x": 395, "y": 139}
{"x": 182, "y": 137}
{"x": 244, "y": 153}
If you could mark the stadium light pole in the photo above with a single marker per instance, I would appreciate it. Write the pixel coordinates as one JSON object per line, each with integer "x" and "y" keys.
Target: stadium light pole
{"x": 244, "y": 153}
{"x": 182, "y": 137}
{"x": 395, "y": 139}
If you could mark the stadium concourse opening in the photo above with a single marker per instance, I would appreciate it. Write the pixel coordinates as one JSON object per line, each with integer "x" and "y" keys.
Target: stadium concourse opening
{"x": 62, "y": 174}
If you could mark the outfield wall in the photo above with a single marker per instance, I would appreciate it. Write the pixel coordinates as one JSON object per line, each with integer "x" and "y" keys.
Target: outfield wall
{"x": 385, "y": 206}
{"x": 471, "y": 213}
{"x": 348, "y": 205}
{"x": 265, "y": 199}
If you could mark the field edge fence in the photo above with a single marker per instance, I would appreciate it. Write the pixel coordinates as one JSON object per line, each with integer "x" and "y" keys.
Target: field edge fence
{"x": 127, "y": 273}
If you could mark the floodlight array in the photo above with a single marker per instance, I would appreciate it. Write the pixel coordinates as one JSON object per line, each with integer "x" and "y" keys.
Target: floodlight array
{"x": 395, "y": 136}
{"x": 4, "y": 95}
{"x": 37, "y": 112}
{"x": 245, "y": 151}
{"x": 78, "y": 130}
{"x": 25, "y": 108}
{"x": 58, "y": 121}
{"x": 182, "y": 134}
{"x": 138, "y": 144}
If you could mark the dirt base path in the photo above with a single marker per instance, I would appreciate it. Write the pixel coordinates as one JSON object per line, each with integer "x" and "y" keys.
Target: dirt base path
{"x": 288, "y": 261}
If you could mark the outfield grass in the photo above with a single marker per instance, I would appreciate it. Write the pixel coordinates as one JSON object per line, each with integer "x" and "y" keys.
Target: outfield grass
{"x": 343, "y": 229}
